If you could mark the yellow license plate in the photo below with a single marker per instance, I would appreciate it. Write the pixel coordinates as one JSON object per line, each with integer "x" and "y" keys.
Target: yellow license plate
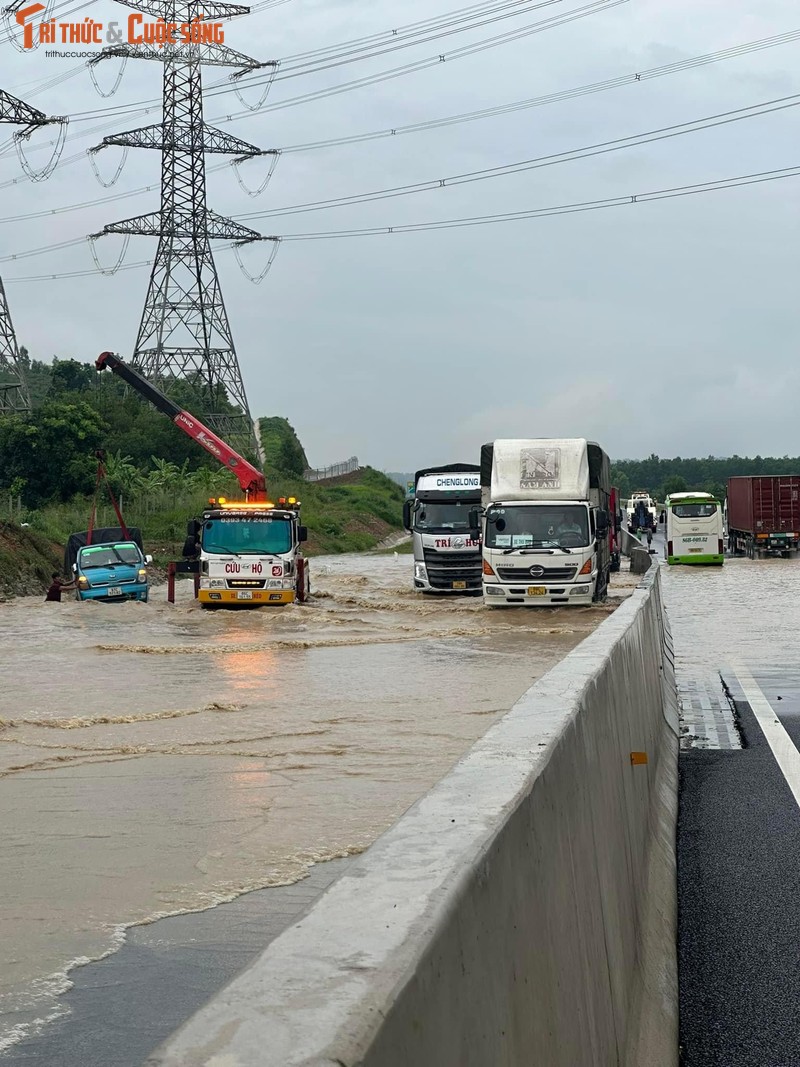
{"x": 459, "y": 585}
{"x": 695, "y": 550}
{"x": 537, "y": 590}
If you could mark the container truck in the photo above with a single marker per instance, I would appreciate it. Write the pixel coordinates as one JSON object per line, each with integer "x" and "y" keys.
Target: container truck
{"x": 764, "y": 515}
{"x": 694, "y": 531}
{"x": 545, "y": 521}
{"x": 447, "y": 553}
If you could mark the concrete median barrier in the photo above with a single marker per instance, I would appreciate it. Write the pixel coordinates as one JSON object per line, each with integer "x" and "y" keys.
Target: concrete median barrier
{"x": 521, "y": 913}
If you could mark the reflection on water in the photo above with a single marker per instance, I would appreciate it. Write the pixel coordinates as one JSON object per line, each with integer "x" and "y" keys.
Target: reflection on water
{"x": 156, "y": 758}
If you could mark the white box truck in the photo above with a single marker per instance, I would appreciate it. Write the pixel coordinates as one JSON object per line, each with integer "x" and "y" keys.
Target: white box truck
{"x": 545, "y": 520}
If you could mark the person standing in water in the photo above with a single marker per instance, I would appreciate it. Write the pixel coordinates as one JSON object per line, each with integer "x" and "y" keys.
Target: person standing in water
{"x": 57, "y": 587}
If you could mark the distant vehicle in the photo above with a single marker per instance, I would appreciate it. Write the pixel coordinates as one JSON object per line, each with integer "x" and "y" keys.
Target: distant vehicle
{"x": 546, "y": 522}
{"x": 763, "y": 515}
{"x": 694, "y": 529}
{"x": 447, "y": 553}
{"x": 615, "y": 529}
{"x": 110, "y": 565}
{"x": 642, "y": 512}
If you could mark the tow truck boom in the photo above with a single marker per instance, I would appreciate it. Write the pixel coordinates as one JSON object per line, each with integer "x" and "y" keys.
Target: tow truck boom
{"x": 250, "y": 479}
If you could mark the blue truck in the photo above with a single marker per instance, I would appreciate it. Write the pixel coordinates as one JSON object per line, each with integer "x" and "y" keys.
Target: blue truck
{"x": 108, "y": 565}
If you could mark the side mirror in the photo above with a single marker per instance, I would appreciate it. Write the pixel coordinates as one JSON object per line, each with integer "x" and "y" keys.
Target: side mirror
{"x": 602, "y": 523}
{"x": 474, "y": 520}
{"x": 192, "y": 528}
{"x": 302, "y": 533}
{"x": 148, "y": 559}
{"x": 74, "y": 568}
{"x": 407, "y": 514}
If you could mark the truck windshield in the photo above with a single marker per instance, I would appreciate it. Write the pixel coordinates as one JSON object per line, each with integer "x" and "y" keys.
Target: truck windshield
{"x": 442, "y": 515}
{"x": 251, "y": 536}
{"x": 109, "y": 556}
{"x": 537, "y": 526}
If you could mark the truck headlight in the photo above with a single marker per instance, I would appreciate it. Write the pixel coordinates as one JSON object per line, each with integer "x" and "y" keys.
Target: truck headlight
{"x": 579, "y": 590}
{"x": 142, "y": 574}
{"x": 493, "y": 590}
{"x": 420, "y": 572}
{"x": 83, "y": 581}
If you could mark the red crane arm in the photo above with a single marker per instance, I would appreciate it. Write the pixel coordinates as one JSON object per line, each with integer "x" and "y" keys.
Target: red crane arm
{"x": 250, "y": 479}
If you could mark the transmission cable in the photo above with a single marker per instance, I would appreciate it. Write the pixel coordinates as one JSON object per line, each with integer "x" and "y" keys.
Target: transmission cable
{"x": 673, "y": 192}
{"x": 601, "y": 148}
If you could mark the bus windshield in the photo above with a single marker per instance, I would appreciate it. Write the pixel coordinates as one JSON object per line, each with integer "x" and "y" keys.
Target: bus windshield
{"x": 442, "y": 515}
{"x": 694, "y": 511}
{"x": 251, "y": 536}
{"x": 538, "y": 526}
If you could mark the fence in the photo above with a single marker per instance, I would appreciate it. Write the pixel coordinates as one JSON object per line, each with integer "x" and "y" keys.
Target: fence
{"x": 321, "y": 473}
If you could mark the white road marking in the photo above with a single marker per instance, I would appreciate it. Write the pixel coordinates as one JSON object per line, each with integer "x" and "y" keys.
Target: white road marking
{"x": 783, "y": 748}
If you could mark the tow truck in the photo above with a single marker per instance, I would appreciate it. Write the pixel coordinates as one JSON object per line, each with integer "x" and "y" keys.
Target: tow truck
{"x": 243, "y": 552}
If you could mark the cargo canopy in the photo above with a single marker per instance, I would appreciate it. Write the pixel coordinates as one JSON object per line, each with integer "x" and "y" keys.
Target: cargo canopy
{"x": 539, "y": 469}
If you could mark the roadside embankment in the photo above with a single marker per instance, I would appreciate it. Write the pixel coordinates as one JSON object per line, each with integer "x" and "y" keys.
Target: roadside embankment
{"x": 27, "y": 560}
{"x": 522, "y": 912}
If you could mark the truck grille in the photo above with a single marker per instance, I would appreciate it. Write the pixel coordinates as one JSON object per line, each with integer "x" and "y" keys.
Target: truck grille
{"x": 444, "y": 568}
{"x": 523, "y": 574}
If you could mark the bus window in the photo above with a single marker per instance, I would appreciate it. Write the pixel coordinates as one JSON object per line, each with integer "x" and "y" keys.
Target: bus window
{"x": 694, "y": 511}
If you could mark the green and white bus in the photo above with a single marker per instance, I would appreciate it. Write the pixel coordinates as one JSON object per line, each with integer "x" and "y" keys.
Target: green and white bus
{"x": 694, "y": 529}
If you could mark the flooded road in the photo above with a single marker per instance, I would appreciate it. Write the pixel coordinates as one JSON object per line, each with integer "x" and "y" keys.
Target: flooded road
{"x": 156, "y": 759}
{"x": 745, "y": 610}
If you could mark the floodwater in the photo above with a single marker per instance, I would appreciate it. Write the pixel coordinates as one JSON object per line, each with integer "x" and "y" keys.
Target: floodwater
{"x": 157, "y": 759}
{"x": 746, "y": 611}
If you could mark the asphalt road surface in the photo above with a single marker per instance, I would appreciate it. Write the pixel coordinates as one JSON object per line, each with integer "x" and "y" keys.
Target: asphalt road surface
{"x": 739, "y": 821}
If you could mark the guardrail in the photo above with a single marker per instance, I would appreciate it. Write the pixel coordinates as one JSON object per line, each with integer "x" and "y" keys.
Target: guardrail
{"x": 523, "y": 911}
{"x": 319, "y": 474}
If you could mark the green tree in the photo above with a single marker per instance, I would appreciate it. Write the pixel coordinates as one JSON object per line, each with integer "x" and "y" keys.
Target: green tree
{"x": 51, "y": 451}
{"x": 673, "y": 484}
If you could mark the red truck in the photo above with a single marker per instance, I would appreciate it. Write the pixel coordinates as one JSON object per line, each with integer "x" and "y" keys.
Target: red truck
{"x": 763, "y": 515}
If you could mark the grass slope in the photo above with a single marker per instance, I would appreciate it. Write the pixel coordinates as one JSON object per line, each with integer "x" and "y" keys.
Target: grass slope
{"x": 27, "y": 559}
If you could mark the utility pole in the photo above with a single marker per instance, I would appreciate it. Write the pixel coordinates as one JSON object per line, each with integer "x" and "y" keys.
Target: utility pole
{"x": 14, "y": 394}
{"x": 184, "y": 332}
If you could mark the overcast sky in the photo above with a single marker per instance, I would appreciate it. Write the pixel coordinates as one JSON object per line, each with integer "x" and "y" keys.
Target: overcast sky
{"x": 668, "y": 327}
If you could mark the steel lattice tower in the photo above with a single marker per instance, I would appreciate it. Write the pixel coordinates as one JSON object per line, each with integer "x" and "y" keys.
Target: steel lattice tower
{"x": 14, "y": 395}
{"x": 184, "y": 331}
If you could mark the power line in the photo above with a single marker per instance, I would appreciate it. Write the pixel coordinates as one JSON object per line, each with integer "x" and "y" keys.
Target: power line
{"x": 601, "y": 148}
{"x": 549, "y": 98}
{"x": 568, "y": 155}
{"x": 670, "y": 193}
{"x": 222, "y": 88}
{"x": 518, "y": 105}
{"x": 560, "y": 209}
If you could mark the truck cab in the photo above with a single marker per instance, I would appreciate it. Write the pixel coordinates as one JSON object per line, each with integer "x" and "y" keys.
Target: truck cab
{"x": 248, "y": 554}
{"x": 115, "y": 570}
{"x": 447, "y": 551}
{"x": 545, "y": 520}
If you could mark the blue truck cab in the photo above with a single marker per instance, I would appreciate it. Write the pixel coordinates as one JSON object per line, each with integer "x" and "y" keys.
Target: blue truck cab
{"x": 109, "y": 568}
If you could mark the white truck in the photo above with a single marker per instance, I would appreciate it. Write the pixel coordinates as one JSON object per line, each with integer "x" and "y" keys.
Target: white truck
{"x": 447, "y": 552}
{"x": 545, "y": 521}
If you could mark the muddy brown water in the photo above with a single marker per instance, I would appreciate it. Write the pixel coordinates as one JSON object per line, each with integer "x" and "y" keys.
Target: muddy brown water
{"x": 157, "y": 759}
